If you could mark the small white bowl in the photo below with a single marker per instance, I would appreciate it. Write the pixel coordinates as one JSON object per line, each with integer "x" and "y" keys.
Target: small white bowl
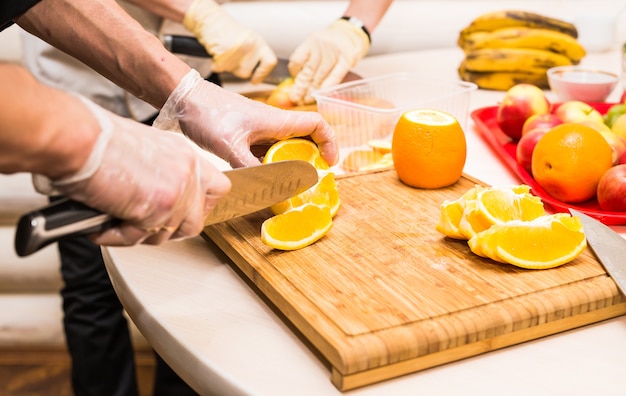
{"x": 581, "y": 83}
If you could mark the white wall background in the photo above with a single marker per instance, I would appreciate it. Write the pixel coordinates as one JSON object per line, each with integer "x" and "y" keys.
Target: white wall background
{"x": 409, "y": 24}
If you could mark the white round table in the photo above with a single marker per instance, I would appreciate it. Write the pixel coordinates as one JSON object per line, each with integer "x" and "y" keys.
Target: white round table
{"x": 208, "y": 323}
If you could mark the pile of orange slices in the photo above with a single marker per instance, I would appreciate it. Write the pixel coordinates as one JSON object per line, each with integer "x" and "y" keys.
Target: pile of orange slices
{"x": 305, "y": 218}
{"x": 509, "y": 225}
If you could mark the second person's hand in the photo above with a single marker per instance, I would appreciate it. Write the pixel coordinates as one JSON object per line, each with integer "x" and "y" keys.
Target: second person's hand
{"x": 235, "y": 48}
{"x": 325, "y": 57}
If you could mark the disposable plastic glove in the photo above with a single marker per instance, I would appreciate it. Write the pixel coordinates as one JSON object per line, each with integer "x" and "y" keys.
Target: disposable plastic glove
{"x": 234, "y": 47}
{"x": 158, "y": 182}
{"x": 325, "y": 57}
{"x": 229, "y": 124}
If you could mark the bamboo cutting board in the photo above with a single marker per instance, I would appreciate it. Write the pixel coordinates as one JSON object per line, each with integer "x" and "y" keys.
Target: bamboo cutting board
{"x": 384, "y": 294}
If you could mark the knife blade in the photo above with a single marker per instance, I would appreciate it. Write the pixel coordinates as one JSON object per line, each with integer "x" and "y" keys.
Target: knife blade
{"x": 252, "y": 189}
{"x": 187, "y": 45}
{"x": 608, "y": 246}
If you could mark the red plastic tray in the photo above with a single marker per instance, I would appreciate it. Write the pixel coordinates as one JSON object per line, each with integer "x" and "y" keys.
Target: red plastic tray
{"x": 488, "y": 129}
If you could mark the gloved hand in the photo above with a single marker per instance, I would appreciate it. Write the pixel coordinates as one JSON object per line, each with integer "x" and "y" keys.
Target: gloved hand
{"x": 325, "y": 57}
{"x": 234, "y": 48}
{"x": 158, "y": 182}
{"x": 229, "y": 124}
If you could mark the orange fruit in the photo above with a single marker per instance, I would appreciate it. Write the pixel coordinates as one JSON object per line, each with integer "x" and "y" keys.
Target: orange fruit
{"x": 364, "y": 160}
{"x": 380, "y": 145}
{"x": 324, "y": 193}
{"x": 358, "y": 159}
{"x": 303, "y": 219}
{"x": 481, "y": 207}
{"x": 297, "y": 228}
{"x": 279, "y": 97}
{"x": 452, "y": 212}
{"x": 428, "y": 148}
{"x": 497, "y": 205}
{"x": 296, "y": 148}
{"x": 544, "y": 242}
{"x": 569, "y": 160}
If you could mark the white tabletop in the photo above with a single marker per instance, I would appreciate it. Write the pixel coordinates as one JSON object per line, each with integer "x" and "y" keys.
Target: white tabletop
{"x": 208, "y": 323}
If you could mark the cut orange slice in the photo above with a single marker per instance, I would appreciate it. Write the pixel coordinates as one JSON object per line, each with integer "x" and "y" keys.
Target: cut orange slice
{"x": 365, "y": 160}
{"x": 297, "y": 228}
{"x": 323, "y": 193}
{"x": 471, "y": 221}
{"x": 544, "y": 242}
{"x": 451, "y": 214}
{"x": 292, "y": 149}
{"x": 380, "y": 145}
{"x": 498, "y": 205}
{"x": 303, "y": 219}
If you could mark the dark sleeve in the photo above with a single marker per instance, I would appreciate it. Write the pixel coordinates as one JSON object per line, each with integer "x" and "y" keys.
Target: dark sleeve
{"x": 10, "y": 9}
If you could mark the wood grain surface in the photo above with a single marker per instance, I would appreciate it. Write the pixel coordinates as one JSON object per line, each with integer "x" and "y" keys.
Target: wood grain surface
{"x": 384, "y": 294}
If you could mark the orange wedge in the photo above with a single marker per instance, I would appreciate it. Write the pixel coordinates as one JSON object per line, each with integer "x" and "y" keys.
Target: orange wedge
{"x": 303, "y": 219}
{"x": 544, "y": 242}
{"x": 451, "y": 214}
{"x": 380, "y": 145}
{"x": 297, "y": 148}
{"x": 297, "y": 228}
{"x": 323, "y": 193}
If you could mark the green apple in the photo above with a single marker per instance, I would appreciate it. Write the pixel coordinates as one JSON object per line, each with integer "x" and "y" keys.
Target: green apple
{"x": 613, "y": 113}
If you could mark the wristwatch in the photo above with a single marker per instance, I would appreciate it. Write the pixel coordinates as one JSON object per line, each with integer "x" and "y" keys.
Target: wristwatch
{"x": 359, "y": 24}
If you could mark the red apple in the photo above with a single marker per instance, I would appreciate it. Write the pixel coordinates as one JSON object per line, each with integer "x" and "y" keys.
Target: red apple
{"x": 612, "y": 189}
{"x": 622, "y": 98}
{"x": 520, "y": 102}
{"x": 544, "y": 121}
{"x": 577, "y": 111}
{"x": 526, "y": 146}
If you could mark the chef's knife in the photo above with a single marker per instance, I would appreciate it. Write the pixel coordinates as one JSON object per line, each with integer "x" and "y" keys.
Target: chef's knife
{"x": 253, "y": 188}
{"x": 608, "y": 246}
{"x": 187, "y": 45}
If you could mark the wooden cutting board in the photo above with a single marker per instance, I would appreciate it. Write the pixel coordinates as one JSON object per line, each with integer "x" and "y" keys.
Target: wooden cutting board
{"x": 384, "y": 294}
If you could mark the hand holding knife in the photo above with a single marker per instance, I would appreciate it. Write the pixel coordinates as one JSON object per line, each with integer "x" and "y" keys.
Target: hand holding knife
{"x": 187, "y": 45}
{"x": 253, "y": 188}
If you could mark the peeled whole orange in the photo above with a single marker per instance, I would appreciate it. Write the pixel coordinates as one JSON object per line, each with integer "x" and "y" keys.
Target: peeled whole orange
{"x": 428, "y": 148}
{"x": 569, "y": 160}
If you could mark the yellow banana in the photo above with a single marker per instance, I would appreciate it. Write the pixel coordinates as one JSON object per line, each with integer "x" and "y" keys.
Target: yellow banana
{"x": 494, "y": 20}
{"x": 526, "y": 60}
{"x": 524, "y": 37}
{"x": 502, "y": 81}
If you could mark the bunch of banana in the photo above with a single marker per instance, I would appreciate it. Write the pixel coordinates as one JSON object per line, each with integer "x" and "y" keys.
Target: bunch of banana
{"x": 504, "y": 48}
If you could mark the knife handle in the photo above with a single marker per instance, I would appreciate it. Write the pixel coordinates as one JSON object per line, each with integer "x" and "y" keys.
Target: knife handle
{"x": 61, "y": 219}
{"x": 185, "y": 45}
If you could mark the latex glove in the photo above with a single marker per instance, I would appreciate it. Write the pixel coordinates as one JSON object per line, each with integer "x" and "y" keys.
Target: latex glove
{"x": 325, "y": 57}
{"x": 229, "y": 124}
{"x": 158, "y": 182}
{"x": 234, "y": 48}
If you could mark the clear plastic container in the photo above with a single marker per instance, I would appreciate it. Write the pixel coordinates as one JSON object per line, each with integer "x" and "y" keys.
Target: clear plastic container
{"x": 367, "y": 109}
